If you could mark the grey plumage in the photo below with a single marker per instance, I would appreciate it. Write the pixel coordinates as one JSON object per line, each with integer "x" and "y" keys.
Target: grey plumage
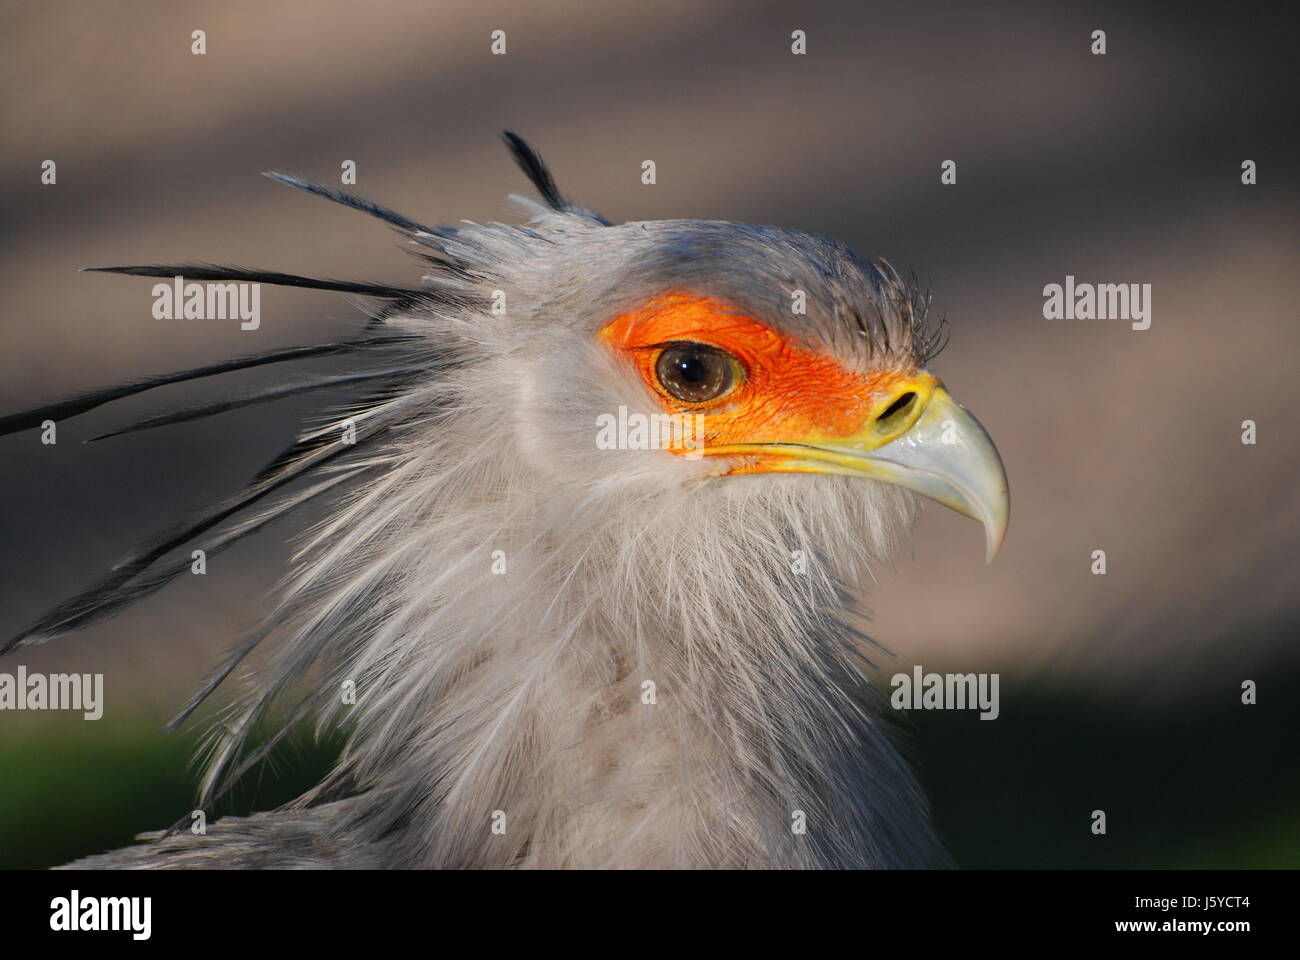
{"x": 519, "y": 695}
{"x": 284, "y": 840}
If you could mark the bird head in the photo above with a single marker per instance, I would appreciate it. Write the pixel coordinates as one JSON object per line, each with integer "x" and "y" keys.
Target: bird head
{"x": 692, "y": 353}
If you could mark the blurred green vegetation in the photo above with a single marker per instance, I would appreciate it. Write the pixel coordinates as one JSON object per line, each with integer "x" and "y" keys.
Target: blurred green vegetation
{"x": 1200, "y": 781}
{"x": 70, "y": 788}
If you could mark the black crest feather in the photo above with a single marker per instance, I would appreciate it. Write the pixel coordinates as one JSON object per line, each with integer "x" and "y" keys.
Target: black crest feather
{"x": 82, "y": 403}
{"x": 349, "y": 200}
{"x": 530, "y": 162}
{"x": 212, "y": 273}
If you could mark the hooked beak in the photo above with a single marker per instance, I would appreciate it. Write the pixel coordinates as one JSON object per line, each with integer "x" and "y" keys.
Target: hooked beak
{"x": 920, "y": 438}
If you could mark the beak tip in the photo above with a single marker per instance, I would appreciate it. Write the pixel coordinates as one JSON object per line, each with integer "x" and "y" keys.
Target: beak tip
{"x": 994, "y": 518}
{"x": 994, "y": 536}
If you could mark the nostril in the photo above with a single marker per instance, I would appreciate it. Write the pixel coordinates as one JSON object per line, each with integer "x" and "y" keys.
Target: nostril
{"x": 898, "y": 406}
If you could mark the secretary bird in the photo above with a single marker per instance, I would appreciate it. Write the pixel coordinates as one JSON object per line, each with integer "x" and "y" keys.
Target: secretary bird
{"x": 575, "y": 640}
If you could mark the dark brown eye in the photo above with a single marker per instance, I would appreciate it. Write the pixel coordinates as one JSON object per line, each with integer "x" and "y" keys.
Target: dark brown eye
{"x": 693, "y": 372}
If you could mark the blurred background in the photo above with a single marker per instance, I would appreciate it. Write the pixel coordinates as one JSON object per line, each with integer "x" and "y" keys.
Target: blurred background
{"x": 1119, "y": 692}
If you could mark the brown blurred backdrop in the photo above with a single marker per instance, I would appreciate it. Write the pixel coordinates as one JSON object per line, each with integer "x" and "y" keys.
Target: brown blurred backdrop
{"x": 1119, "y": 691}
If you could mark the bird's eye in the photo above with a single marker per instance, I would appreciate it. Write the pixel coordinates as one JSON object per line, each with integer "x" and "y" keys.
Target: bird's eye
{"x": 694, "y": 372}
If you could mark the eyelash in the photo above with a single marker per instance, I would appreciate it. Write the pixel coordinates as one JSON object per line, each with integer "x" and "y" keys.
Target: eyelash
{"x": 694, "y": 343}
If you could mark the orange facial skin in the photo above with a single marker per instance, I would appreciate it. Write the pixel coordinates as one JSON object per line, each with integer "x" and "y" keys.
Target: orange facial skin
{"x": 788, "y": 393}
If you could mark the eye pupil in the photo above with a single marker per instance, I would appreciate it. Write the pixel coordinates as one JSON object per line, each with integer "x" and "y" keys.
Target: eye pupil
{"x": 692, "y": 370}
{"x": 695, "y": 372}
